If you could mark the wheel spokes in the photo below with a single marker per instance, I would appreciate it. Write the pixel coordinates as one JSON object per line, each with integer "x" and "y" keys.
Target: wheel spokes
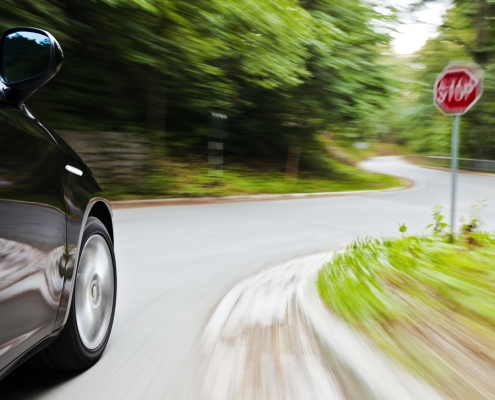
{"x": 94, "y": 295}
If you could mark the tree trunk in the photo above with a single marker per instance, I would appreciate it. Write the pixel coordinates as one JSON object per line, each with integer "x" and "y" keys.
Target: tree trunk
{"x": 480, "y": 52}
{"x": 156, "y": 109}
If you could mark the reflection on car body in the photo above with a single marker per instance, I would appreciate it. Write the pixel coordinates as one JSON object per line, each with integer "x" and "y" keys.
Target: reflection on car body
{"x": 47, "y": 215}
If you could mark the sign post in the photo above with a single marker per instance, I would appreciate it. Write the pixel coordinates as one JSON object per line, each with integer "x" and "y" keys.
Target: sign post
{"x": 218, "y": 134}
{"x": 456, "y": 90}
{"x": 453, "y": 167}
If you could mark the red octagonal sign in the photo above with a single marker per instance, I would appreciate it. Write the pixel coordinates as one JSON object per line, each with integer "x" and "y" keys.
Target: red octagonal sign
{"x": 458, "y": 88}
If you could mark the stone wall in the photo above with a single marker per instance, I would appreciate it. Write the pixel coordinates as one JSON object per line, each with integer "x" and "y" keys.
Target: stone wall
{"x": 115, "y": 158}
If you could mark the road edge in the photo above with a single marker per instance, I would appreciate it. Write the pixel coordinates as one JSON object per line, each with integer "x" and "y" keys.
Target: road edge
{"x": 122, "y": 204}
{"x": 327, "y": 356}
{"x": 364, "y": 370}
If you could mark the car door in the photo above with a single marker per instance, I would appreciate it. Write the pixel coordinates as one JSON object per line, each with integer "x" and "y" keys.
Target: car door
{"x": 32, "y": 233}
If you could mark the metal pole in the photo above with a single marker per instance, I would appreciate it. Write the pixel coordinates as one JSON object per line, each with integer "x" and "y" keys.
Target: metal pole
{"x": 455, "y": 145}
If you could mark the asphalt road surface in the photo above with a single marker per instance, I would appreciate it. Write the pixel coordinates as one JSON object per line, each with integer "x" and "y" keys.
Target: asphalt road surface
{"x": 175, "y": 263}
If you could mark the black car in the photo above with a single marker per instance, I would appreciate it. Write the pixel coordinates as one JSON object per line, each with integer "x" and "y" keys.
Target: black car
{"x": 57, "y": 264}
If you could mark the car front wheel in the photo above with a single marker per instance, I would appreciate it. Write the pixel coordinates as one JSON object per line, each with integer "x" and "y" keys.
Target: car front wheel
{"x": 86, "y": 333}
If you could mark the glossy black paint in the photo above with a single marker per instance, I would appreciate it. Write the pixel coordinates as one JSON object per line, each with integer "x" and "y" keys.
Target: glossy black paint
{"x": 43, "y": 209}
{"x": 43, "y": 206}
{"x": 81, "y": 193}
{"x": 32, "y": 234}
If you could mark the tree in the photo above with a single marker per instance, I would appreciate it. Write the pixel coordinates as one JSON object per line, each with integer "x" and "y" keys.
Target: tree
{"x": 281, "y": 70}
{"x": 467, "y": 33}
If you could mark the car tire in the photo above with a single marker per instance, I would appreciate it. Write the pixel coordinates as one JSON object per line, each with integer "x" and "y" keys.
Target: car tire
{"x": 85, "y": 335}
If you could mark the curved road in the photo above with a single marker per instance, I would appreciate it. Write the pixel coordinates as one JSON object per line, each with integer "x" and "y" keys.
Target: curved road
{"x": 175, "y": 263}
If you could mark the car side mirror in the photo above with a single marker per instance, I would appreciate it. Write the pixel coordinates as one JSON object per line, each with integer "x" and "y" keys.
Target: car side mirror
{"x": 29, "y": 58}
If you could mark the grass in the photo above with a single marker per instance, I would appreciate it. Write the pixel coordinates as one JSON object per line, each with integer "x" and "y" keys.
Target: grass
{"x": 193, "y": 180}
{"x": 347, "y": 153}
{"x": 426, "y": 302}
{"x": 375, "y": 150}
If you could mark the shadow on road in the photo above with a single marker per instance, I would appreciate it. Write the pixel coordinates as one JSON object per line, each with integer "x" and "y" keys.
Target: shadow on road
{"x": 27, "y": 383}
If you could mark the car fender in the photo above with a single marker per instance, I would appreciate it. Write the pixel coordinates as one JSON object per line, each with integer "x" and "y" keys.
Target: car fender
{"x": 72, "y": 258}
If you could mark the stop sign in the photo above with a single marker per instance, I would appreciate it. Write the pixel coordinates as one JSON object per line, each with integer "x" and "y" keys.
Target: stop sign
{"x": 457, "y": 89}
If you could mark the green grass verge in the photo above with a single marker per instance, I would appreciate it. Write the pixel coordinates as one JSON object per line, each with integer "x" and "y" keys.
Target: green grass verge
{"x": 426, "y": 302}
{"x": 194, "y": 180}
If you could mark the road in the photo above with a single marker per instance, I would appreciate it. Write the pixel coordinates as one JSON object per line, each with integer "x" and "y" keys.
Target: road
{"x": 175, "y": 263}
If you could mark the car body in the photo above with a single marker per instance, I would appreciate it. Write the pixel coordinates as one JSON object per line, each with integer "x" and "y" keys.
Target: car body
{"x": 54, "y": 219}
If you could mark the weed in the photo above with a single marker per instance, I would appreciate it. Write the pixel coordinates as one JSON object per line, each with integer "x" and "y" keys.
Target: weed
{"x": 438, "y": 225}
{"x": 471, "y": 229}
{"x": 425, "y": 300}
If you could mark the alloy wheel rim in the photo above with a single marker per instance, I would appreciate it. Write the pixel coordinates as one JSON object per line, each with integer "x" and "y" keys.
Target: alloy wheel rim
{"x": 94, "y": 292}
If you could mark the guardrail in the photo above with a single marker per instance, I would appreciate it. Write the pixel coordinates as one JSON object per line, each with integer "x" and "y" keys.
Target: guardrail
{"x": 463, "y": 163}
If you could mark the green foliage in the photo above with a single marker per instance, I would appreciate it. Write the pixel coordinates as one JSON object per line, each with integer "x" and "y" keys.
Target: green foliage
{"x": 281, "y": 70}
{"x": 402, "y": 292}
{"x": 423, "y": 300}
{"x": 438, "y": 225}
{"x": 193, "y": 179}
{"x": 362, "y": 271}
{"x": 467, "y": 34}
{"x": 471, "y": 229}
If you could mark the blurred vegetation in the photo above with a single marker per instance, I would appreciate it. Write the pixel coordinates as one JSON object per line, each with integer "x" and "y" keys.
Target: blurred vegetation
{"x": 467, "y": 34}
{"x": 427, "y": 301}
{"x": 347, "y": 152}
{"x": 193, "y": 179}
{"x": 282, "y": 71}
